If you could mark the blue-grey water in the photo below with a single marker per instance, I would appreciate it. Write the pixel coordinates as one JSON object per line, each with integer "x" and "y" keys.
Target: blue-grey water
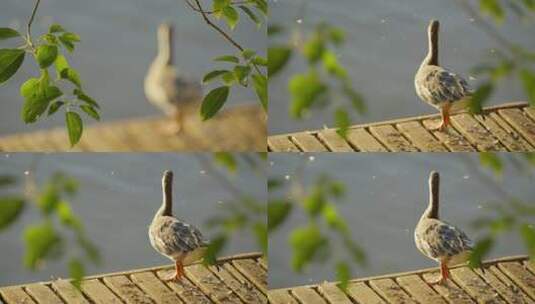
{"x": 118, "y": 45}
{"x": 118, "y": 196}
{"x": 385, "y": 43}
{"x": 386, "y": 195}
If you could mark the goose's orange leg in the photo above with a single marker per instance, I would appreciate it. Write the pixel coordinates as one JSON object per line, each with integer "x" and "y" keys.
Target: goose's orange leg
{"x": 445, "y": 113}
{"x": 444, "y": 273}
{"x": 179, "y": 272}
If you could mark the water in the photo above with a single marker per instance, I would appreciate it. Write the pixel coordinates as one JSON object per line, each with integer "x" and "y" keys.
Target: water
{"x": 118, "y": 45}
{"x": 118, "y": 197}
{"x": 385, "y": 43}
{"x": 386, "y": 195}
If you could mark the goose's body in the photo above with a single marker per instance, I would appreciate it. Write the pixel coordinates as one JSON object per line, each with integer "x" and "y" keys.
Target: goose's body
{"x": 181, "y": 242}
{"x": 175, "y": 94}
{"x": 438, "y": 240}
{"x": 437, "y": 86}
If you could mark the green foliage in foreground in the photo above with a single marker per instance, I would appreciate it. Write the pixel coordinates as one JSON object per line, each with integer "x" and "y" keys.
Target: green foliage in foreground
{"x": 52, "y": 237}
{"x": 44, "y": 94}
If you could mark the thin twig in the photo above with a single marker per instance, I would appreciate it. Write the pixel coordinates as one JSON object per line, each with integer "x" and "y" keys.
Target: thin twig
{"x": 29, "y": 29}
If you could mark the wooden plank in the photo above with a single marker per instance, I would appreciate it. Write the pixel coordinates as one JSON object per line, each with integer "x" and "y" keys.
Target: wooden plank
{"x": 391, "y": 291}
{"x": 216, "y": 289}
{"x": 68, "y": 292}
{"x": 420, "y": 137}
{"x": 333, "y": 141}
{"x": 127, "y": 290}
{"x": 476, "y": 134}
{"x": 524, "y": 125}
{"x": 43, "y": 294}
{"x": 15, "y": 295}
{"x": 530, "y": 264}
{"x": 186, "y": 290}
{"x": 281, "y": 296}
{"x": 157, "y": 290}
{"x": 521, "y": 276}
{"x": 364, "y": 142}
{"x": 333, "y": 294}
{"x": 239, "y": 284}
{"x": 307, "y": 295}
{"x": 256, "y": 274}
{"x": 361, "y": 293}
{"x": 281, "y": 143}
{"x": 450, "y": 138}
{"x": 307, "y": 142}
{"x": 502, "y": 131}
{"x": 98, "y": 292}
{"x": 530, "y": 111}
{"x": 392, "y": 139}
{"x": 419, "y": 289}
{"x": 506, "y": 288}
{"x": 450, "y": 291}
{"x": 475, "y": 286}
{"x": 263, "y": 262}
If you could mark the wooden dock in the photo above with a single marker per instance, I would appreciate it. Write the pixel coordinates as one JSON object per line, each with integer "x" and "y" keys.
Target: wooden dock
{"x": 240, "y": 279}
{"x": 509, "y": 280}
{"x": 507, "y": 127}
{"x": 241, "y": 128}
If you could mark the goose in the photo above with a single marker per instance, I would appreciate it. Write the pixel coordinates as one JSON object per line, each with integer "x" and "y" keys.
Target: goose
{"x": 438, "y": 240}
{"x": 172, "y": 92}
{"x": 438, "y": 86}
{"x": 179, "y": 241}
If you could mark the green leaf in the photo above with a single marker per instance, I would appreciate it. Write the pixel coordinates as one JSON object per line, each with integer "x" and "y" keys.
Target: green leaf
{"x": 90, "y": 250}
{"x": 336, "y": 35}
{"x": 228, "y": 58}
{"x": 331, "y": 65}
{"x": 479, "y": 97}
{"x": 71, "y": 75}
{"x": 491, "y": 161}
{"x": 218, "y": 6}
{"x": 480, "y": 250}
{"x": 314, "y": 49}
{"x": 307, "y": 244}
{"x": 278, "y": 211}
{"x": 89, "y": 110}
{"x": 530, "y": 4}
{"x": 528, "y": 81}
{"x": 68, "y": 40}
{"x": 251, "y": 15}
{"x": 262, "y": 6}
{"x": 37, "y": 97}
{"x": 85, "y": 98}
{"x": 213, "y": 101}
{"x": 528, "y": 234}
{"x": 46, "y": 55}
{"x": 214, "y": 248}
{"x": 227, "y": 160}
{"x": 56, "y": 28}
{"x": 231, "y": 16}
{"x": 343, "y": 274}
{"x": 10, "y": 62}
{"x": 313, "y": 204}
{"x": 49, "y": 38}
{"x": 278, "y": 56}
{"x": 241, "y": 72}
{"x": 492, "y": 8}
{"x": 274, "y": 29}
{"x": 74, "y": 127}
{"x": 41, "y": 241}
{"x": 61, "y": 64}
{"x": 10, "y": 209}
{"x": 248, "y": 54}
{"x": 49, "y": 199}
{"x": 7, "y": 33}
{"x": 29, "y": 88}
{"x": 213, "y": 75}
{"x": 333, "y": 219}
{"x": 7, "y": 180}
{"x": 342, "y": 121}
{"x": 305, "y": 89}
{"x": 67, "y": 217}
{"x": 228, "y": 78}
{"x": 260, "y": 84}
{"x": 76, "y": 272}
{"x": 258, "y": 60}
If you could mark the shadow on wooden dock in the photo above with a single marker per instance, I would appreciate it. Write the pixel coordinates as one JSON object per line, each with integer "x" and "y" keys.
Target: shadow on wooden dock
{"x": 507, "y": 127}
{"x": 242, "y": 128}
{"x": 240, "y": 279}
{"x": 505, "y": 280}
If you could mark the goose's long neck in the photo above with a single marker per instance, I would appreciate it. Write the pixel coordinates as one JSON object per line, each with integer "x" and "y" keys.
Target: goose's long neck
{"x": 432, "y": 208}
{"x": 167, "y": 203}
{"x": 165, "y": 46}
{"x": 432, "y": 48}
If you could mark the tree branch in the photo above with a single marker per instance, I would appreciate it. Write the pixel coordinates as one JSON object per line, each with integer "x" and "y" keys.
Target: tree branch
{"x": 29, "y": 29}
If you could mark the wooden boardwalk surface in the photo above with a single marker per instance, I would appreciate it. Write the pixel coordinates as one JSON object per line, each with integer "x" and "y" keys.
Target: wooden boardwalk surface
{"x": 241, "y": 128}
{"x": 240, "y": 279}
{"x": 509, "y": 280}
{"x": 507, "y": 127}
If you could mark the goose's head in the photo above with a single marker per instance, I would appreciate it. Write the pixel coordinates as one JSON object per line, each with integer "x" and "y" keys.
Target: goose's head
{"x": 165, "y": 31}
{"x": 167, "y": 177}
{"x": 433, "y": 27}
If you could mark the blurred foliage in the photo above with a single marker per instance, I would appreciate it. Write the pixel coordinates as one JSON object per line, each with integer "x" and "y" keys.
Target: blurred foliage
{"x": 325, "y": 230}
{"x": 325, "y": 78}
{"x": 246, "y": 68}
{"x": 511, "y": 60}
{"x": 509, "y": 216}
{"x": 59, "y": 232}
{"x": 43, "y": 93}
{"x": 243, "y": 213}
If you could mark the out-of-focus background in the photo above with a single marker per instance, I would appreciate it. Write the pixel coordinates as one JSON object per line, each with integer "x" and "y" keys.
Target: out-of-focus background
{"x": 385, "y": 197}
{"x": 385, "y": 43}
{"x": 117, "y": 198}
{"x": 118, "y": 44}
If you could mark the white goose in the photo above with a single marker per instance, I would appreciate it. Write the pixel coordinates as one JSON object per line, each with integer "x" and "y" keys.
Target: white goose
{"x": 179, "y": 241}
{"x": 438, "y": 86}
{"x": 438, "y": 240}
{"x": 165, "y": 87}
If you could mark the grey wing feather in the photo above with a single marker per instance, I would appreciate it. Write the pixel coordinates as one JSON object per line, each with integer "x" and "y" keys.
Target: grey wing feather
{"x": 446, "y": 240}
{"x": 180, "y": 89}
{"x": 442, "y": 86}
{"x": 177, "y": 236}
